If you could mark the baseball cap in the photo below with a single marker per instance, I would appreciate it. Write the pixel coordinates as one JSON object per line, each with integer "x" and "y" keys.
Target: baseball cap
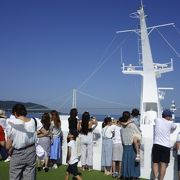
{"x": 167, "y": 113}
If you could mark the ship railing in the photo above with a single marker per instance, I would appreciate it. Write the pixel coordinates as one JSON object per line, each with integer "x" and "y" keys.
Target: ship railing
{"x": 163, "y": 68}
{"x": 131, "y": 69}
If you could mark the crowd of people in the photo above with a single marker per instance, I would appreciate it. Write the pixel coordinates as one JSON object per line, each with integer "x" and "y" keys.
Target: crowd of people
{"x": 32, "y": 143}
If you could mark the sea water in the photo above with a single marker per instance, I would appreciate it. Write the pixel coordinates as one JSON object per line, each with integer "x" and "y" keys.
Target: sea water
{"x": 99, "y": 117}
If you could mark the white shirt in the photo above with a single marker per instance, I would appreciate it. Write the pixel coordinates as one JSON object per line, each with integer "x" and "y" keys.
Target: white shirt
{"x": 162, "y": 130}
{"x": 178, "y": 137}
{"x": 136, "y": 121}
{"x": 107, "y": 131}
{"x": 22, "y": 133}
{"x": 117, "y": 135}
{"x": 74, "y": 157}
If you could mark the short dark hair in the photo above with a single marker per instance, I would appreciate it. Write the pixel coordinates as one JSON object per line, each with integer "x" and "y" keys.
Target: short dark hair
{"x": 125, "y": 116}
{"x": 107, "y": 120}
{"x": 19, "y": 109}
{"x": 74, "y": 133}
{"x": 135, "y": 112}
{"x": 167, "y": 113}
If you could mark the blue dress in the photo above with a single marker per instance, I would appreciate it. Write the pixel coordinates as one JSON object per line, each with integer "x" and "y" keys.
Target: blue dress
{"x": 130, "y": 168}
{"x": 56, "y": 144}
{"x": 56, "y": 148}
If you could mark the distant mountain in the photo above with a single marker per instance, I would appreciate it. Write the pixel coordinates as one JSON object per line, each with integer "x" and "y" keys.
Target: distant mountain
{"x": 7, "y": 105}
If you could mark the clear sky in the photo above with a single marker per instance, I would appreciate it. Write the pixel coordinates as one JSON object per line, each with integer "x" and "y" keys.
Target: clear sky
{"x": 49, "y": 47}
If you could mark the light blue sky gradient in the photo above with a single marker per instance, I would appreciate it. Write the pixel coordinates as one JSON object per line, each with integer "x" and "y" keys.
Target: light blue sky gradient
{"x": 49, "y": 47}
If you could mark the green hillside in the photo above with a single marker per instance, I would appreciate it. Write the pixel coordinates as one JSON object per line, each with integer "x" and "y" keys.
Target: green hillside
{"x": 7, "y": 105}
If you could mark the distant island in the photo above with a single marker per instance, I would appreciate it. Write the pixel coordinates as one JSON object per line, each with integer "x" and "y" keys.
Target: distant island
{"x": 7, "y": 105}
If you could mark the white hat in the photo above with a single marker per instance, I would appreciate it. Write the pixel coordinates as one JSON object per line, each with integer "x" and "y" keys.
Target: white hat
{"x": 2, "y": 113}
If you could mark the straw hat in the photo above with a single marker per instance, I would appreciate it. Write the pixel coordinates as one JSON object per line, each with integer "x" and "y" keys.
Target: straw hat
{"x": 2, "y": 113}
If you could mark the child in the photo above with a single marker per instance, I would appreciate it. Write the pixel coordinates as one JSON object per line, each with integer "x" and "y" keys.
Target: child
{"x": 72, "y": 157}
{"x": 137, "y": 136}
{"x": 45, "y": 143}
{"x": 136, "y": 132}
{"x": 137, "y": 144}
{"x": 117, "y": 151}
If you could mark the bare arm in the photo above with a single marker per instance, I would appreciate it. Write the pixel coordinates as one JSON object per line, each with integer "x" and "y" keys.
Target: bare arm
{"x": 2, "y": 143}
{"x": 93, "y": 123}
{"x": 9, "y": 143}
{"x": 178, "y": 145}
{"x": 43, "y": 132}
{"x": 68, "y": 154}
{"x": 173, "y": 127}
{"x": 79, "y": 125}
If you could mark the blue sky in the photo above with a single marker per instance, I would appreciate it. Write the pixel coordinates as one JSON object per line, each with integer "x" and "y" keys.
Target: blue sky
{"x": 49, "y": 47}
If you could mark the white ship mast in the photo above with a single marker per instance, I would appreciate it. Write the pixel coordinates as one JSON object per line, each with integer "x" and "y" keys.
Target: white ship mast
{"x": 150, "y": 106}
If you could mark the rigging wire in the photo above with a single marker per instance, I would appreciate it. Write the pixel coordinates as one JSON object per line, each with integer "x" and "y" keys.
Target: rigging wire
{"x": 178, "y": 31}
{"x": 168, "y": 43}
{"x": 100, "y": 99}
{"x": 103, "y": 60}
{"x": 65, "y": 102}
{"x": 100, "y": 63}
{"x": 56, "y": 100}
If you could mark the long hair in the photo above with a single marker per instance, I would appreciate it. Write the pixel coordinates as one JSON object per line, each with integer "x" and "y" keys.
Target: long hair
{"x": 73, "y": 113}
{"x": 45, "y": 120}
{"x": 85, "y": 123}
{"x": 56, "y": 119}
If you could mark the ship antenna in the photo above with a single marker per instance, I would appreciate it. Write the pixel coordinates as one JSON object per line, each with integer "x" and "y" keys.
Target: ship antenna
{"x": 121, "y": 57}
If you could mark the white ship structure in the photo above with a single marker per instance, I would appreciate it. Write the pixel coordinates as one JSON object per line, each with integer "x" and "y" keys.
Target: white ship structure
{"x": 150, "y": 104}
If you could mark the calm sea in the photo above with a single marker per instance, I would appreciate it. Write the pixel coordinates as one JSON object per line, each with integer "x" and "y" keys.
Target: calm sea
{"x": 98, "y": 117}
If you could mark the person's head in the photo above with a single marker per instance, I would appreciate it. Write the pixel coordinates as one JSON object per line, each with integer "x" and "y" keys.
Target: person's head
{"x": 73, "y": 113}
{"x": 55, "y": 118}
{"x": 73, "y": 134}
{"x": 45, "y": 120}
{"x": 167, "y": 114}
{"x": 86, "y": 116}
{"x": 135, "y": 112}
{"x": 19, "y": 110}
{"x": 13, "y": 110}
{"x": 85, "y": 122}
{"x": 119, "y": 121}
{"x": 107, "y": 121}
{"x": 125, "y": 116}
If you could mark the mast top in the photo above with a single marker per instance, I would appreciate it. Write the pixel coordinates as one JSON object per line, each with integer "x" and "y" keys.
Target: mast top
{"x": 141, "y": 4}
